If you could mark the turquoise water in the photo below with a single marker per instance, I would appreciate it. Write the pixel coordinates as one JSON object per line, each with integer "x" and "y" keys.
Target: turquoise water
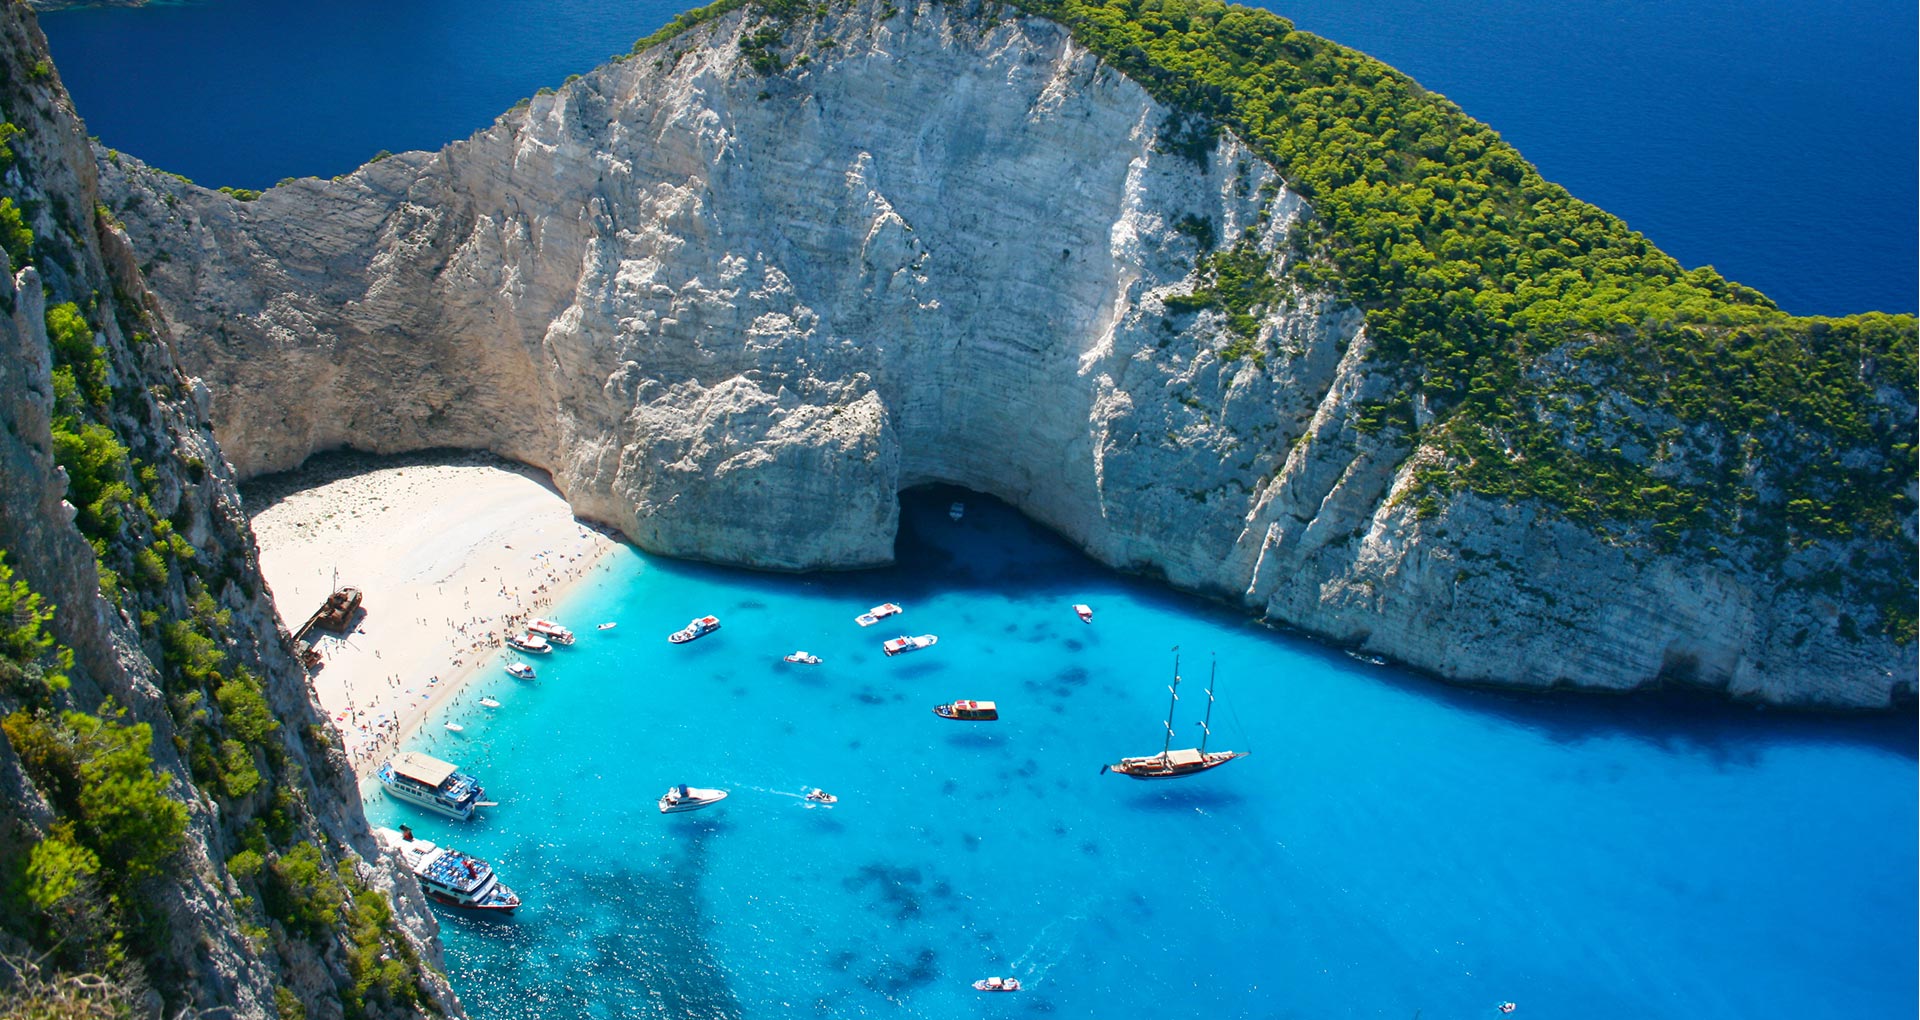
{"x": 1773, "y": 139}
{"x": 1392, "y": 848}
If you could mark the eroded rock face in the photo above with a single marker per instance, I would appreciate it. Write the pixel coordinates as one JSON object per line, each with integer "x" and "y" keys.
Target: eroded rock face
{"x": 734, "y": 314}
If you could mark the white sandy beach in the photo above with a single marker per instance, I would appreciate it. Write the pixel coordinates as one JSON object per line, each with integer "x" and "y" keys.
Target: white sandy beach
{"x": 450, "y": 559}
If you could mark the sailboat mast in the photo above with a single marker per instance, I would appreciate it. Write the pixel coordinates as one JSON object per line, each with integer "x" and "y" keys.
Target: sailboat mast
{"x": 1173, "y": 699}
{"x": 1206, "y": 726}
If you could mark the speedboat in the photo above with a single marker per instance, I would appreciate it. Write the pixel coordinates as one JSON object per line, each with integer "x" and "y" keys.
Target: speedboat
{"x": 530, "y": 643}
{"x": 449, "y": 876}
{"x": 551, "y": 631}
{"x": 876, "y": 614}
{"x": 428, "y": 782}
{"x": 968, "y": 711}
{"x": 700, "y": 627}
{"x": 997, "y": 984}
{"x": 519, "y": 671}
{"x": 1084, "y": 612}
{"x": 689, "y": 798}
{"x": 819, "y": 796}
{"x": 456, "y": 727}
{"x": 489, "y": 703}
{"x": 904, "y": 643}
{"x": 804, "y": 658}
{"x": 957, "y": 511}
{"x": 607, "y": 626}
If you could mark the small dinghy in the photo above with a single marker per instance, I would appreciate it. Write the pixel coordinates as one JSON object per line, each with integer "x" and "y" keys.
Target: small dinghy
{"x": 489, "y": 703}
{"x": 607, "y": 626}
{"x": 530, "y": 643}
{"x": 689, "y": 798}
{"x": 1084, "y": 612}
{"x": 456, "y": 727}
{"x": 876, "y": 614}
{"x": 997, "y": 984}
{"x": 700, "y": 627}
{"x": 803, "y": 658}
{"x": 819, "y": 796}
{"x": 904, "y": 643}
{"x": 957, "y": 511}
{"x": 519, "y": 671}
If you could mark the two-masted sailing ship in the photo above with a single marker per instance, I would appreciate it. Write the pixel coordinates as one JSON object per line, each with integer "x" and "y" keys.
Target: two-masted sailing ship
{"x": 1187, "y": 761}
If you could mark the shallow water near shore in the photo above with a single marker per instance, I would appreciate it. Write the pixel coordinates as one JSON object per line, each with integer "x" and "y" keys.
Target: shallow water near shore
{"x": 1392, "y": 846}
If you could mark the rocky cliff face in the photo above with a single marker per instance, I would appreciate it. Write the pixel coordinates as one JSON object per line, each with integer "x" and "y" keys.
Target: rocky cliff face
{"x": 737, "y": 291}
{"x": 158, "y": 595}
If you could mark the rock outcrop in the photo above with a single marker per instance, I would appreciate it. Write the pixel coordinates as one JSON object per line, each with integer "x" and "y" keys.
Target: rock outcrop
{"x": 186, "y": 935}
{"x": 736, "y": 291}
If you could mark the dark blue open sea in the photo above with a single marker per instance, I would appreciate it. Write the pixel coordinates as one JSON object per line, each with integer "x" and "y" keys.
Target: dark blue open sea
{"x": 1393, "y": 847}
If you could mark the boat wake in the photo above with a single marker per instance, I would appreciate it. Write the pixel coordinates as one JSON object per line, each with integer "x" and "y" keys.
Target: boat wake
{"x": 1046, "y": 951}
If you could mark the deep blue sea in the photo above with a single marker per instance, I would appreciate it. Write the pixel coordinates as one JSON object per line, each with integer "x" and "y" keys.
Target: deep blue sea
{"x": 1773, "y": 139}
{"x": 1392, "y": 847}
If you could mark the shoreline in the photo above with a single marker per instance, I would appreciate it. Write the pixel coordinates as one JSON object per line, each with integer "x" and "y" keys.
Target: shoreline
{"x": 451, "y": 557}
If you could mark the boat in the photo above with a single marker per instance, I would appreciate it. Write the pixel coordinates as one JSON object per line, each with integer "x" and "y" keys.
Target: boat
{"x": 519, "y": 671}
{"x": 1083, "y": 611}
{"x": 456, "y": 727}
{"x": 997, "y": 984}
{"x": 689, "y": 798}
{"x": 607, "y": 626}
{"x": 956, "y": 511}
{"x": 489, "y": 703}
{"x": 700, "y": 627}
{"x": 448, "y": 876}
{"x": 876, "y": 614}
{"x": 819, "y": 796}
{"x": 426, "y": 781}
{"x": 904, "y": 643}
{"x": 551, "y": 631}
{"x": 968, "y": 711}
{"x": 531, "y": 643}
{"x": 804, "y": 658}
{"x": 1172, "y": 764}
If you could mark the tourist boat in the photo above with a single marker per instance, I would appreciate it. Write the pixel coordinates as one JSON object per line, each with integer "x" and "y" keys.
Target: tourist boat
{"x": 968, "y": 711}
{"x": 804, "y": 658}
{"x": 956, "y": 511}
{"x": 876, "y": 614}
{"x": 700, "y": 627}
{"x": 428, "y": 782}
{"x": 997, "y": 984}
{"x": 1172, "y": 764}
{"x": 904, "y": 643}
{"x": 489, "y": 703}
{"x": 449, "y": 876}
{"x": 819, "y": 796}
{"x": 607, "y": 626}
{"x": 1083, "y": 611}
{"x": 551, "y": 631}
{"x": 519, "y": 671}
{"x": 531, "y": 643}
{"x": 689, "y": 798}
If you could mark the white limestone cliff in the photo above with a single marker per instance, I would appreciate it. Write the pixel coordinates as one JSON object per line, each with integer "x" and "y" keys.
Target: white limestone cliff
{"x": 735, "y": 314}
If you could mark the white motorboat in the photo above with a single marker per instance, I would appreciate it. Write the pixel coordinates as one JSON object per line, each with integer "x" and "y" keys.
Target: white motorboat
{"x": 607, "y": 626}
{"x": 877, "y": 613}
{"x": 551, "y": 631}
{"x": 1083, "y": 611}
{"x": 957, "y": 511}
{"x": 700, "y": 627}
{"x": 689, "y": 798}
{"x": 530, "y": 643}
{"x": 489, "y": 703}
{"x": 519, "y": 671}
{"x": 449, "y": 876}
{"x": 904, "y": 643}
{"x": 455, "y": 727}
{"x": 803, "y": 658}
{"x": 819, "y": 796}
{"x": 428, "y": 782}
{"x": 997, "y": 984}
